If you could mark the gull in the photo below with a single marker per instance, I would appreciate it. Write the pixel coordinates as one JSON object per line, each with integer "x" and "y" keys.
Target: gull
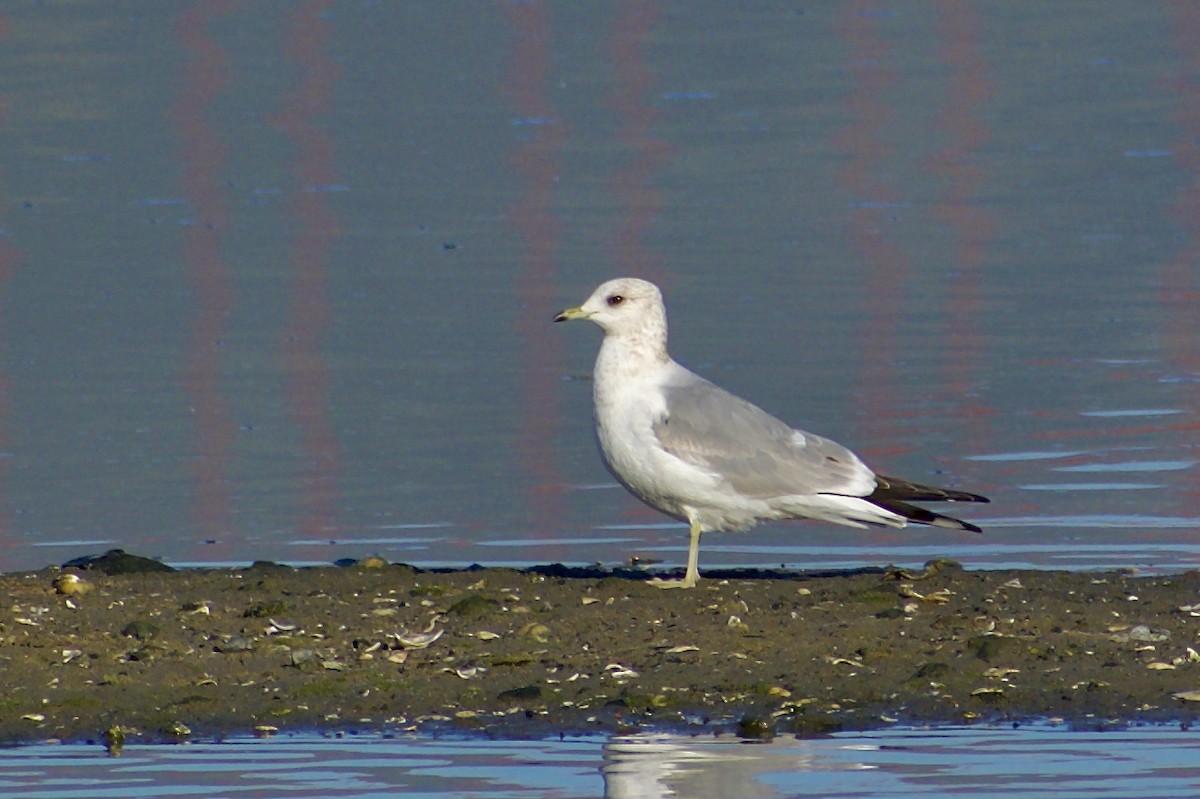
{"x": 696, "y": 452}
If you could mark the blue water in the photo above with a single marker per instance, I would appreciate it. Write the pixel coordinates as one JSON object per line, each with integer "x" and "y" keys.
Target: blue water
{"x": 1044, "y": 762}
{"x": 276, "y": 278}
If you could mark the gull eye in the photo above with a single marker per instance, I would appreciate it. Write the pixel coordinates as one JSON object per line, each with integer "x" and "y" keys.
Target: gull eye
{"x": 615, "y": 300}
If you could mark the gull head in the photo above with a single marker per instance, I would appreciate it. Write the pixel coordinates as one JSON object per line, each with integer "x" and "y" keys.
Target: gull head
{"x": 624, "y": 306}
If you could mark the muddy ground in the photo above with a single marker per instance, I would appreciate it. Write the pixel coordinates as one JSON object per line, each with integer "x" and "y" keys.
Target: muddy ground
{"x": 203, "y": 653}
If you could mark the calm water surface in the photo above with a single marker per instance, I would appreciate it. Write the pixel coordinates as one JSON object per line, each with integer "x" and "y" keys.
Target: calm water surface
{"x": 276, "y": 277}
{"x": 1045, "y": 762}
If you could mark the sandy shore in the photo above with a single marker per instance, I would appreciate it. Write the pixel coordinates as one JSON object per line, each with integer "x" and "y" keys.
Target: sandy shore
{"x": 197, "y": 653}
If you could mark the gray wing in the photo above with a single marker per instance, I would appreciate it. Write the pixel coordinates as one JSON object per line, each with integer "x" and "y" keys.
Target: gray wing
{"x": 756, "y": 453}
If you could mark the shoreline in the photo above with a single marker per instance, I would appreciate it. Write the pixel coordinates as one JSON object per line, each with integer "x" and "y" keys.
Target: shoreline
{"x": 197, "y": 653}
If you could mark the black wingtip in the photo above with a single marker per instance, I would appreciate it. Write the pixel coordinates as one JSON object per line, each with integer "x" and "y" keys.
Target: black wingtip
{"x": 892, "y": 488}
{"x": 938, "y": 520}
{"x": 920, "y": 515}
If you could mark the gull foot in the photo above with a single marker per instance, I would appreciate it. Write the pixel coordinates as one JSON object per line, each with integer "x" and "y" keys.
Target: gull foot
{"x": 684, "y": 582}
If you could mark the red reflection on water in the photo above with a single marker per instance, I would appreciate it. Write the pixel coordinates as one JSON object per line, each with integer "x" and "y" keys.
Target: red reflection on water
{"x": 1180, "y": 279}
{"x": 537, "y": 160}
{"x": 204, "y": 157}
{"x": 10, "y": 258}
{"x": 637, "y": 197}
{"x": 888, "y": 268}
{"x": 965, "y": 133}
{"x": 316, "y": 227}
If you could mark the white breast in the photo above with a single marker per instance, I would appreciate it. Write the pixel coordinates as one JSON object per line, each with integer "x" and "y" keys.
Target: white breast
{"x": 626, "y": 413}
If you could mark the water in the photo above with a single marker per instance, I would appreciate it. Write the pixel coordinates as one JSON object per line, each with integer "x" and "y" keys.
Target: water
{"x": 1037, "y": 762}
{"x": 276, "y": 278}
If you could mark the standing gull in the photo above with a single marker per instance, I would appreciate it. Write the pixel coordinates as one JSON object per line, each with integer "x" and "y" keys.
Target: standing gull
{"x": 697, "y": 453}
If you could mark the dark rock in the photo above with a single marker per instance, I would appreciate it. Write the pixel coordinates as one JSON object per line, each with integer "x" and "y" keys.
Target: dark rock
{"x": 140, "y": 629}
{"x": 991, "y": 648}
{"x": 118, "y": 561}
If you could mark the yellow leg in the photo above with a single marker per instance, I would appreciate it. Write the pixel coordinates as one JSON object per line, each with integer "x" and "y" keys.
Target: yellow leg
{"x": 692, "y": 575}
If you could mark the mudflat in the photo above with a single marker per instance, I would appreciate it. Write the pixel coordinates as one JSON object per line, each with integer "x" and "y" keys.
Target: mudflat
{"x": 173, "y": 655}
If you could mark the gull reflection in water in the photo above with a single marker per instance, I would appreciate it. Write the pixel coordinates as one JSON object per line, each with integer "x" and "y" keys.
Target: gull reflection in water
{"x": 708, "y": 767}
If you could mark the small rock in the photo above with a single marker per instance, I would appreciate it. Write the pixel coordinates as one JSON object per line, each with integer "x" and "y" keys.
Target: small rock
{"x": 931, "y": 670}
{"x": 265, "y": 610}
{"x": 535, "y": 630}
{"x": 235, "y": 644}
{"x": 756, "y": 728}
{"x": 988, "y": 694}
{"x": 140, "y": 629}
{"x": 71, "y": 584}
{"x": 301, "y": 656}
{"x": 525, "y": 693}
{"x": 1140, "y": 633}
{"x": 114, "y": 740}
{"x": 990, "y": 648}
{"x": 473, "y": 605}
{"x": 177, "y": 729}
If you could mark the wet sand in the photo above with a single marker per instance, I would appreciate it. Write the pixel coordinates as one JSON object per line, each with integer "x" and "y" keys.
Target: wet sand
{"x": 208, "y": 652}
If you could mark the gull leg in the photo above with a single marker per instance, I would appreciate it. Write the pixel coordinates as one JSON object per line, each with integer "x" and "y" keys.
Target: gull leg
{"x": 692, "y": 575}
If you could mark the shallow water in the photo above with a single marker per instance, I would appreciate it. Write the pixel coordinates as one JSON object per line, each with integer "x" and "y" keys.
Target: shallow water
{"x": 1039, "y": 762}
{"x": 276, "y": 278}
